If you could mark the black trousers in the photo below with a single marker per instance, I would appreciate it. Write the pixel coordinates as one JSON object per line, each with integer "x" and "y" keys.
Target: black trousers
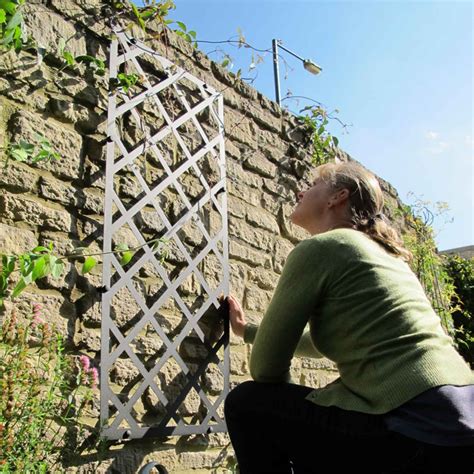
{"x": 273, "y": 429}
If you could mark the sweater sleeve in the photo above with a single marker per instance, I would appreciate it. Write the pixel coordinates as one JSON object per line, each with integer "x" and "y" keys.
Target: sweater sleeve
{"x": 301, "y": 286}
{"x": 305, "y": 347}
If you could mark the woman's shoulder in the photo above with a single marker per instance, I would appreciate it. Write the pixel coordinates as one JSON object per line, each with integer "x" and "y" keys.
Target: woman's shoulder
{"x": 340, "y": 237}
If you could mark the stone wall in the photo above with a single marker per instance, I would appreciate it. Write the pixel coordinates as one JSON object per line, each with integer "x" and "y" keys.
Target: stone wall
{"x": 62, "y": 201}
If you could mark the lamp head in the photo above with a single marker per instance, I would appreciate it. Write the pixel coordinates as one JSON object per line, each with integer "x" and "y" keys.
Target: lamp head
{"x": 313, "y": 68}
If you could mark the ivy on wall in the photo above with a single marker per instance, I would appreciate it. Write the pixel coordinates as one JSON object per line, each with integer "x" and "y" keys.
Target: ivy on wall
{"x": 461, "y": 272}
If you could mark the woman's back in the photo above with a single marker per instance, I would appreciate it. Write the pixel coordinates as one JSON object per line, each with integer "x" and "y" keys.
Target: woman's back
{"x": 368, "y": 313}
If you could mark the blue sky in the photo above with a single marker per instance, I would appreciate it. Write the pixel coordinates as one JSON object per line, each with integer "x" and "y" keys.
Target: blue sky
{"x": 400, "y": 72}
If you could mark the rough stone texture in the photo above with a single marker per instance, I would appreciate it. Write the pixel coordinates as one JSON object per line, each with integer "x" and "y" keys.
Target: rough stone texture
{"x": 63, "y": 202}
{"x": 66, "y": 142}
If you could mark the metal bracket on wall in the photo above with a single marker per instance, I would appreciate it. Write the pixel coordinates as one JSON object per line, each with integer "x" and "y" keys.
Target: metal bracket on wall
{"x": 164, "y": 328}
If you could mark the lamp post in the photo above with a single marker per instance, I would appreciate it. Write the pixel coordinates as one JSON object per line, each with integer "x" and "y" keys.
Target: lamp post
{"x": 309, "y": 65}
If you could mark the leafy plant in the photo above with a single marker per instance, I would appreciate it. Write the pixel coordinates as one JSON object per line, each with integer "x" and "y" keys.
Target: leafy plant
{"x": 40, "y": 389}
{"x": 318, "y": 137}
{"x": 24, "y": 151}
{"x": 11, "y": 24}
{"x": 41, "y": 262}
{"x": 98, "y": 65}
{"x": 125, "y": 81}
{"x": 427, "y": 264}
{"x": 189, "y": 36}
{"x": 461, "y": 272}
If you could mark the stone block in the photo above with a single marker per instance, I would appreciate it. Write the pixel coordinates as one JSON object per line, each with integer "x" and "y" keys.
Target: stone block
{"x": 87, "y": 338}
{"x": 264, "y": 220}
{"x": 59, "y": 191}
{"x": 236, "y": 207}
{"x": 56, "y": 311}
{"x": 48, "y": 27}
{"x": 65, "y": 109}
{"x": 318, "y": 378}
{"x": 14, "y": 240}
{"x": 245, "y": 254}
{"x": 258, "y": 162}
{"x": 67, "y": 143}
{"x": 238, "y": 363}
{"x": 256, "y": 299}
{"x": 34, "y": 212}
{"x": 259, "y": 239}
{"x": 263, "y": 278}
{"x": 282, "y": 249}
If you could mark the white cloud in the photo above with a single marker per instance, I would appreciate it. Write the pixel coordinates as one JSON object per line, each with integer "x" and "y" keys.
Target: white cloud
{"x": 436, "y": 146}
{"x": 469, "y": 141}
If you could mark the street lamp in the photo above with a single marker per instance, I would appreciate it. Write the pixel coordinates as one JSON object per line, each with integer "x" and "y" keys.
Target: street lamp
{"x": 309, "y": 65}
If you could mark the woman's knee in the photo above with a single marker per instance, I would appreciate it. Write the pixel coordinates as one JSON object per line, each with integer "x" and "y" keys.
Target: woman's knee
{"x": 238, "y": 395}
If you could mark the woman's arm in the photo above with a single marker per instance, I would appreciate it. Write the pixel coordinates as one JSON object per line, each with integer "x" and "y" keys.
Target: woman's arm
{"x": 305, "y": 347}
{"x": 301, "y": 287}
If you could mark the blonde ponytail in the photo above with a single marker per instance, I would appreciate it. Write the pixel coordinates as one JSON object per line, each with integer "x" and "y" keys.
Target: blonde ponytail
{"x": 365, "y": 203}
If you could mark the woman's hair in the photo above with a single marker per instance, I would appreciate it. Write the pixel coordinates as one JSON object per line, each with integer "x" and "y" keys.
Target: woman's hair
{"x": 366, "y": 202}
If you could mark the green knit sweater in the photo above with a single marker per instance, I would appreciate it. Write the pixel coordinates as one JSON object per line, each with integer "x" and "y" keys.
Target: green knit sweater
{"x": 367, "y": 312}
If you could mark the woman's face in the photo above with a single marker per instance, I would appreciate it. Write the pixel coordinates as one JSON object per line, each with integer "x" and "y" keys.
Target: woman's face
{"x": 311, "y": 212}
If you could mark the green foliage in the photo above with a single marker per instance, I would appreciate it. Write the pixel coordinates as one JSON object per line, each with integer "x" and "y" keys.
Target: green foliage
{"x": 11, "y": 24}
{"x": 43, "y": 394}
{"x": 41, "y": 262}
{"x": 427, "y": 264}
{"x": 32, "y": 266}
{"x": 318, "y": 137}
{"x": 182, "y": 31}
{"x": 461, "y": 271}
{"x": 24, "y": 151}
{"x": 125, "y": 81}
{"x": 96, "y": 64}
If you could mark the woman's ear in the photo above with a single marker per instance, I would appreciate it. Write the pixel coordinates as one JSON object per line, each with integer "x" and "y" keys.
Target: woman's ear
{"x": 339, "y": 196}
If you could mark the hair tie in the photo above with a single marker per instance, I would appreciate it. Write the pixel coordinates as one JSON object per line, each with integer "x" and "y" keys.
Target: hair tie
{"x": 371, "y": 220}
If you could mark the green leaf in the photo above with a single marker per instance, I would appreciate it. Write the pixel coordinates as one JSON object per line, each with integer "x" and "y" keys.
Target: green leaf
{"x": 225, "y": 62}
{"x": 120, "y": 247}
{"x": 88, "y": 265}
{"x": 8, "y": 264}
{"x": 181, "y": 25}
{"x": 20, "y": 286}
{"x": 39, "y": 269}
{"x": 19, "y": 154}
{"x": 139, "y": 17}
{"x": 3, "y": 16}
{"x": 3, "y": 283}
{"x": 15, "y": 20}
{"x": 57, "y": 269}
{"x": 192, "y": 33}
{"x": 335, "y": 141}
{"x": 9, "y": 7}
{"x": 126, "y": 257}
{"x": 28, "y": 147}
{"x": 40, "y": 248}
{"x": 69, "y": 58}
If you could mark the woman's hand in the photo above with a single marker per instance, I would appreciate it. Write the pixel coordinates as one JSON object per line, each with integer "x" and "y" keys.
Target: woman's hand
{"x": 236, "y": 317}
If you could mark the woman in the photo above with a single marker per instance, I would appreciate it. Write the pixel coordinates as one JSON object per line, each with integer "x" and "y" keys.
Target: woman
{"x": 404, "y": 398}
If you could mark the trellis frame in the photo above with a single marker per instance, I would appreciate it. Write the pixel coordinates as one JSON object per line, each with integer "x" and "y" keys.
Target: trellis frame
{"x": 131, "y": 51}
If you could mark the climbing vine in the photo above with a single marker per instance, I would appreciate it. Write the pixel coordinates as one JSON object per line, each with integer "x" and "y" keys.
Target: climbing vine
{"x": 317, "y": 137}
{"x": 430, "y": 267}
{"x": 461, "y": 272}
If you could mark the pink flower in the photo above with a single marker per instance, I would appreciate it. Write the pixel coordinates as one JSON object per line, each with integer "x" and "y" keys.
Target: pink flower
{"x": 36, "y": 315}
{"x": 85, "y": 363}
{"x": 36, "y": 320}
{"x": 95, "y": 377}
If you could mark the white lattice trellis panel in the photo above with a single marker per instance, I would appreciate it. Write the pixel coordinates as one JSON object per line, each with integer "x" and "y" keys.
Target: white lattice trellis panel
{"x": 164, "y": 348}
